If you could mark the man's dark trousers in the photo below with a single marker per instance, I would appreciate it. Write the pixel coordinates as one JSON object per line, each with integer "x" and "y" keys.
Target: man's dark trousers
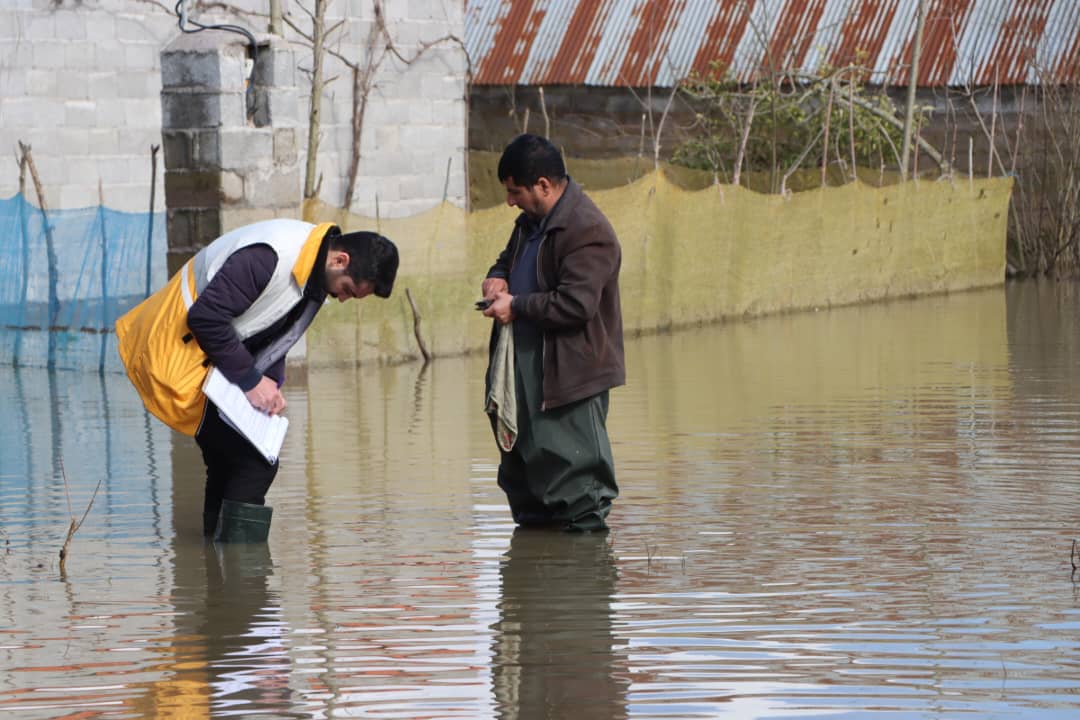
{"x": 235, "y": 470}
{"x": 560, "y": 471}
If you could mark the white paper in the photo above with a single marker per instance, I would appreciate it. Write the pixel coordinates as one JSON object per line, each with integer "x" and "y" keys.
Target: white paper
{"x": 265, "y": 432}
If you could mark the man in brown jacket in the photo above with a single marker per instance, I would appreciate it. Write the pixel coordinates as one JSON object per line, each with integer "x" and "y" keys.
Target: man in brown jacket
{"x": 557, "y": 282}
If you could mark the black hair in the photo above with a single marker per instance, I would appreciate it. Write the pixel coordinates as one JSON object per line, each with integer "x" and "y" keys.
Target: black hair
{"x": 372, "y": 257}
{"x": 530, "y": 157}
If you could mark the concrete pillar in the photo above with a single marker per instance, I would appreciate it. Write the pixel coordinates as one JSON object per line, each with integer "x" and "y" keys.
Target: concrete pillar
{"x": 231, "y": 151}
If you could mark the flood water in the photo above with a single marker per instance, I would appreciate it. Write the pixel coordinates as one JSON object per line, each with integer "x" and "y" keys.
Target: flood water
{"x": 856, "y": 512}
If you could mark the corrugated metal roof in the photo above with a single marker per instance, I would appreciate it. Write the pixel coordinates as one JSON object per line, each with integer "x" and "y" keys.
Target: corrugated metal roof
{"x": 658, "y": 42}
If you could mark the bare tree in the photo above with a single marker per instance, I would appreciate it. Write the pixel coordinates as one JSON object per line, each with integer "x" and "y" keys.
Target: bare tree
{"x": 378, "y": 47}
{"x": 909, "y": 108}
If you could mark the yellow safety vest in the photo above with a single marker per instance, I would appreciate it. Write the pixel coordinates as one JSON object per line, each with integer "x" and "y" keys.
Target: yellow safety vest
{"x": 161, "y": 356}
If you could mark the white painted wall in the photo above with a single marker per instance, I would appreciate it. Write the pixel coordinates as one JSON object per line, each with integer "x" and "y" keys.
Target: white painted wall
{"x": 80, "y": 82}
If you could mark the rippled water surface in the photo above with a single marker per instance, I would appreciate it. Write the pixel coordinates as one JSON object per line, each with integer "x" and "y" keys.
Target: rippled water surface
{"x": 857, "y": 512}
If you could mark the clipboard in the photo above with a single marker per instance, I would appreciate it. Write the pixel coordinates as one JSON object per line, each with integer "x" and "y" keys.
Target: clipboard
{"x": 265, "y": 432}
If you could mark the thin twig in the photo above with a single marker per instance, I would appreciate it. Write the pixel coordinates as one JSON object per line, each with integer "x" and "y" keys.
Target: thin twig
{"x": 74, "y": 526}
{"x": 993, "y": 131}
{"x": 660, "y": 127}
{"x": 986, "y": 131}
{"x": 851, "y": 127}
{"x": 446, "y": 181}
{"x": 361, "y": 90}
{"x": 798, "y": 161}
{"x": 416, "y": 327}
{"x": 1015, "y": 152}
{"x": 915, "y": 155}
{"x": 825, "y": 143}
{"x": 744, "y": 138}
{"x": 950, "y": 116}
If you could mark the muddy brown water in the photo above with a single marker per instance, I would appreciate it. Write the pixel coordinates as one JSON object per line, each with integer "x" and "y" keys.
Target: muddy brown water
{"x": 856, "y": 512}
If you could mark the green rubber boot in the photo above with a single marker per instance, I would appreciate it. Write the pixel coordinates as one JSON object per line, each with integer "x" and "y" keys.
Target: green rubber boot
{"x": 243, "y": 523}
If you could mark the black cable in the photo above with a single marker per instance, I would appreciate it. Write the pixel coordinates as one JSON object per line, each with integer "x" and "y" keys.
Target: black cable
{"x": 199, "y": 27}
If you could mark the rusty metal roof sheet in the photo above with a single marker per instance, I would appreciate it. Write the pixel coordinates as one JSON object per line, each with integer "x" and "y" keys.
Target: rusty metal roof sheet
{"x": 658, "y": 42}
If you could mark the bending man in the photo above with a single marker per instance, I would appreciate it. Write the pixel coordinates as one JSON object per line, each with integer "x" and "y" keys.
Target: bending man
{"x": 240, "y": 304}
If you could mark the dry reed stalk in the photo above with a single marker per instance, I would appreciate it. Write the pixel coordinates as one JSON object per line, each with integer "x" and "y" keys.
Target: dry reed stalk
{"x": 851, "y": 127}
{"x": 416, "y": 327}
{"x": 74, "y": 526}
{"x": 744, "y": 139}
{"x": 825, "y": 142}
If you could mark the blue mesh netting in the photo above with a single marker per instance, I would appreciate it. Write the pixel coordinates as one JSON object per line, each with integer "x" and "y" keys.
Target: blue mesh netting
{"x": 58, "y": 306}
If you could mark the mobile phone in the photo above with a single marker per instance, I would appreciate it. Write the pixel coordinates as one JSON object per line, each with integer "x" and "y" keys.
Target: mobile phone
{"x": 483, "y": 304}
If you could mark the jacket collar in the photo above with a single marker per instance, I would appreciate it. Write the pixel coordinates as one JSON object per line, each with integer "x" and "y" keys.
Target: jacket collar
{"x": 559, "y": 216}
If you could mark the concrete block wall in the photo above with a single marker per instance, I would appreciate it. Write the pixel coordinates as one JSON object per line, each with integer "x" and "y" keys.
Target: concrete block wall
{"x": 230, "y": 132}
{"x": 415, "y": 121}
{"x": 80, "y": 81}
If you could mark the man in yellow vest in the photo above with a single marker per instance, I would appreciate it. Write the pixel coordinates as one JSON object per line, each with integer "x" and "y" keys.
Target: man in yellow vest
{"x": 239, "y": 305}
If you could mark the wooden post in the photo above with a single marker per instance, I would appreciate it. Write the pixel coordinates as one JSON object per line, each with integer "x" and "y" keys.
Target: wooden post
{"x": 150, "y": 214}
{"x": 50, "y": 247}
{"x": 25, "y": 230}
{"x": 104, "y": 278}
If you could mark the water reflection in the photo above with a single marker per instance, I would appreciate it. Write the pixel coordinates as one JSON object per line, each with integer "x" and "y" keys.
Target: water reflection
{"x": 858, "y": 512}
{"x": 553, "y": 654}
{"x": 862, "y": 521}
{"x": 72, "y": 641}
{"x": 61, "y": 433}
{"x": 227, "y": 653}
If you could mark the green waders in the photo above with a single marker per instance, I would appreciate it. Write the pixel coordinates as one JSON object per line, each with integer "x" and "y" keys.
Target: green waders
{"x": 560, "y": 470}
